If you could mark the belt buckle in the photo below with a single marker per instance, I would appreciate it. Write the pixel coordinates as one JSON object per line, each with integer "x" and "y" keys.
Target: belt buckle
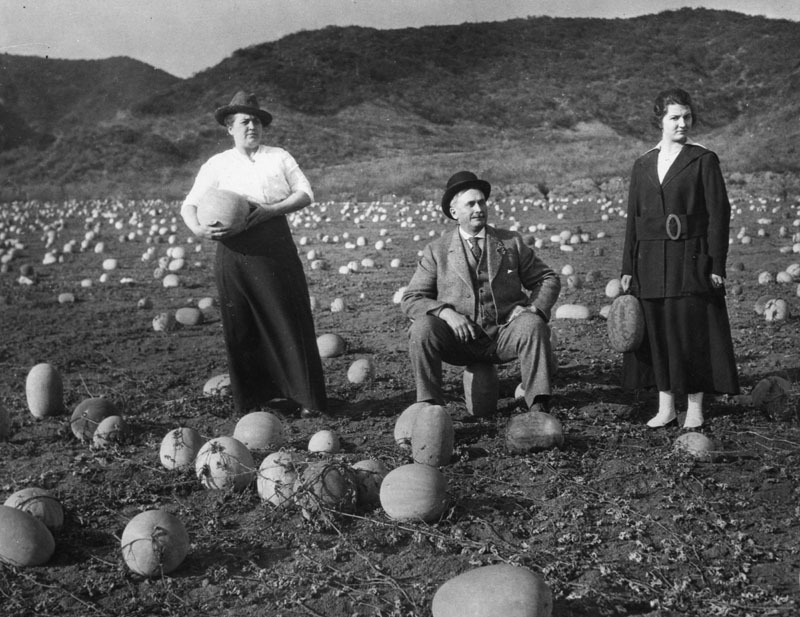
{"x": 673, "y": 220}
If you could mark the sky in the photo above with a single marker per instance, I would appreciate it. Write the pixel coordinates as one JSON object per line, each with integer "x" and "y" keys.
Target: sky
{"x": 184, "y": 37}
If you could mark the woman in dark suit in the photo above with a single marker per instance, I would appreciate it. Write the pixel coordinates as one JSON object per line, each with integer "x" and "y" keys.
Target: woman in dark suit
{"x": 676, "y": 245}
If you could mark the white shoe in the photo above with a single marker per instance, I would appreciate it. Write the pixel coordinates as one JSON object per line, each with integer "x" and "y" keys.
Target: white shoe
{"x": 662, "y": 418}
{"x": 693, "y": 419}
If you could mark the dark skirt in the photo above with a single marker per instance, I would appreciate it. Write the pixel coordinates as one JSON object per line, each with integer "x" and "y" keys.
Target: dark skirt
{"x": 687, "y": 347}
{"x": 266, "y": 319}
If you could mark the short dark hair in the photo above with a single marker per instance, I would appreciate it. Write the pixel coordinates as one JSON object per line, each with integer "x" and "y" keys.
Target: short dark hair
{"x": 672, "y": 96}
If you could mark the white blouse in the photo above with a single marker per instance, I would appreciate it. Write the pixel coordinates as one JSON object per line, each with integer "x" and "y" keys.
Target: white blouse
{"x": 271, "y": 176}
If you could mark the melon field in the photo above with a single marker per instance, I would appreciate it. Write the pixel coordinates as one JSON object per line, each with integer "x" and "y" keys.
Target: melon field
{"x": 617, "y": 521}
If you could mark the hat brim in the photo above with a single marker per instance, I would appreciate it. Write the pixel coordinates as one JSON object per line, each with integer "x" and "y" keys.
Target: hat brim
{"x": 482, "y": 185}
{"x": 227, "y": 110}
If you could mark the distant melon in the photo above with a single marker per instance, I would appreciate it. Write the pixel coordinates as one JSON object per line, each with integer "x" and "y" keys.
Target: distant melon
{"x": 625, "y": 324}
{"x": 224, "y": 463}
{"x": 696, "y": 445}
{"x": 533, "y": 431}
{"x": 360, "y": 371}
{"x": 88, "y": 414}
{"x": 572, "y": 311}
{"x": 324, "y": 441}
{"x": 111, "y": 430}
{"x": 222, "y": 208}
{"x": 498, "y": 590}
{"x": 277, "y": 476}
{"x": 44, "y": 391}
{"x": 327, "y": 485}
{"x": 330, "y": 345}
{"x": 189, "y": 316}
{"x": 260, "y": 430}
{"x": 24, "y": 539}
{"x": 218, "y": 385}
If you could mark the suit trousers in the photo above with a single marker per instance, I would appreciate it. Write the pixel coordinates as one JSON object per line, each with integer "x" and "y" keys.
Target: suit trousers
{"x": 527, "y": 338}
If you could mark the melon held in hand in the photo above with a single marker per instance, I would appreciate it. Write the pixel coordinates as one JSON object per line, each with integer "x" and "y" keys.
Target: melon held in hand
{"x": 221, "y": 208}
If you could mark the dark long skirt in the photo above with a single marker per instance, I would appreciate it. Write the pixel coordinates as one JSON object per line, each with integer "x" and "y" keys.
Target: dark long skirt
{"x": 266, "y": 319}
{"x": 687, "y": 347}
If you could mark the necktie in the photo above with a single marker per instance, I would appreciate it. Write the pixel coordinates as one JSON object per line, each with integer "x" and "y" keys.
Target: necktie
{"x": 475, "y": 247}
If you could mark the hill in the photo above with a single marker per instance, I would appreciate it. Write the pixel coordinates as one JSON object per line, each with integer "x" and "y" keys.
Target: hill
{"x": 368, "y": 111}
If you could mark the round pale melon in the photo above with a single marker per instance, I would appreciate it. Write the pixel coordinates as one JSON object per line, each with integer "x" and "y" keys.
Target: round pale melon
{"x": 164, "y": 322}
{"x": 218, "y": 385}
{"x": 405, "y": 424}
{"x": 154, "y": 542}
{"x": 41, "y": 504}
{"x": 88, "y": 414}
{"x": 360, "y": 371}
{"x": 179, "y": 448}
{"x": 613, "y": 288}
{"x": 327, "y": 485}
{"x": 222, "y": 208}
{"x": 324, "y": 441}
{"x": 111, "y": 430}
{"x": 414, "y": 492}
{"x": 533, "y": 431}
{"x": 625, "y": 324}
{"x": 330, "y": 345}
{"x": 481, "y": 389}
{"x": 432, "y": 436}
{"x": 369, "y": 477}
{"x": 697, "y": 445}
{"x": 224, "y": 463}
{"x": 44, "y": 391}
{"x": 499, "y": 590}
{"x": 170, "y": 280}
{"x": 277, "y": 477}
{"x": 189, "y": 316}
{"x": 776, "y": 310}
{"x": 259, "y": 430}
{"x": 24, "y": 539}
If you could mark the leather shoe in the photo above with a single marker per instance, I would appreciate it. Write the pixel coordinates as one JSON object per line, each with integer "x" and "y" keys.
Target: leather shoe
{"x": 305, "y": 412}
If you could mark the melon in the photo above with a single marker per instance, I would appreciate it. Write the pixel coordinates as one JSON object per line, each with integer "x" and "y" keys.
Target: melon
{"x": 760, "y": 303}
{"x": 88, "y": 414}
{"x": 24, "y": 539}
{"x": 432, "y": 436}
{"x": 771, "y": 394}
{"x": 44, "y": 391}
{"x": 327, "y": 485}
{"x": 330, "y": 345}
{"x": 776, "y": 310}
{"x": 41, "y": 504}
{"x": 189, "y": 316}
{"x": 625, "y": 323}
{"x": 260, "y": 430}
{"x": 696, "y": 445}
{"x": 154, "y": 542}
{"x": 481, "y": 389}
{"x": 405, "y": 424}
{"x": 222, "y": 208}
{"x": 111, "y": 430}
{"x": 324, "y": 441}
{"x": 369, "y": 477}
{"x": 224, "y": 463}
{"x": 164, "y": 322}
{"x": 533, "y": 431}
{"x": 499, "y": 590}
{"x": 277, "y": 477}
{"x": 179, "y": 448}
{"x": 613, "y": 288}
{"x": 218, "y": 385}
{"x": 572, "y": 311}
{"x": 414, "y": 492}
{"x": 360, "y": 371}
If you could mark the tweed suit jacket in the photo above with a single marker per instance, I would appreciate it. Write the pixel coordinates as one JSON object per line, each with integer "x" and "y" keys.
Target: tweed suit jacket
{"x": 517, "y": 277}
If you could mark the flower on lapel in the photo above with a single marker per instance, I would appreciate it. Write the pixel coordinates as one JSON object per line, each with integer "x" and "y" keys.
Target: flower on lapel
{"x": 501, "y": 248}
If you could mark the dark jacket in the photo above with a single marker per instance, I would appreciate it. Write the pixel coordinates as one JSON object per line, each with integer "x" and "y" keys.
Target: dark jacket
{"x": 443, "y": 277}
{"x": 667, "y": 255}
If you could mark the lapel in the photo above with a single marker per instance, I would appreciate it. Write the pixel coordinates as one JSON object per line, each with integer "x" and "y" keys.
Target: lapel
{"x": 458, "y": 258}
{"x": 651, "y": 168}
{"x": 686, "y": 156}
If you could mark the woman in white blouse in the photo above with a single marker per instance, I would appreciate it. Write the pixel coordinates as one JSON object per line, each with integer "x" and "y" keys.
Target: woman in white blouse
{"x": 263, "y": 296}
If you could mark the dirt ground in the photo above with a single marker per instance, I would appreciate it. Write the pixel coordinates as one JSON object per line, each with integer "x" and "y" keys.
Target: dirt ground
{"x": 616, "y": 521}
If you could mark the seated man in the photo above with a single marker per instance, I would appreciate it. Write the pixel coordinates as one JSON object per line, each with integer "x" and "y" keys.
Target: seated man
{"x": 468, "y": 302}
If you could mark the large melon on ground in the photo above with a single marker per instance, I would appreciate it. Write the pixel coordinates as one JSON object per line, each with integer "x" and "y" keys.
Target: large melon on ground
{"x": 259, "y": 430}
{"x": 625, "y": 323}
{"x": 44, "y": 391}
{"x": 24, "y": 539}
{"x": 414, "y": 492}
{"x": 40, "y": 503}
{"x": 88, "y": 414}
{"x": 224, "y": 463}
{"x": 179, "y": 448}
{"x": 499, "y": 590}
{"x": 533, "y": 431}
{"x": 154, "y": 542}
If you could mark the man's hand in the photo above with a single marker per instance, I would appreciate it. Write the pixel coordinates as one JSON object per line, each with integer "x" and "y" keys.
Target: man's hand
{"x": 625, "y": 282}
{"x": 463, "y": 327}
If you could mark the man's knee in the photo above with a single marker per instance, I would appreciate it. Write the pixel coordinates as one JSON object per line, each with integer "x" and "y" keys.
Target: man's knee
{"x": 424, "y": 329}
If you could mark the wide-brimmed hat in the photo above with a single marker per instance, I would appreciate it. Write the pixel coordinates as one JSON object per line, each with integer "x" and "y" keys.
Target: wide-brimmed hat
{"x": 462, "y": 181}
{"x": 243, "y": 103}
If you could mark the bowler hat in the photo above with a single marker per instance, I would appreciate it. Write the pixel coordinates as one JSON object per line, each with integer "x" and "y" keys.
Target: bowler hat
{"x": 462, "y": 181}
{"x": 243, "y": 103}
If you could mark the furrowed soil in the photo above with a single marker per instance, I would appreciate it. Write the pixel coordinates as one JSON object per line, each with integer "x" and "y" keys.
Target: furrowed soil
{"x": 616, "y": 521}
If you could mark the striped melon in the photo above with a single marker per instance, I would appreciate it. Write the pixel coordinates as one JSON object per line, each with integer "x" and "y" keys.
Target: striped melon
{"x": 625, "y": 323}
